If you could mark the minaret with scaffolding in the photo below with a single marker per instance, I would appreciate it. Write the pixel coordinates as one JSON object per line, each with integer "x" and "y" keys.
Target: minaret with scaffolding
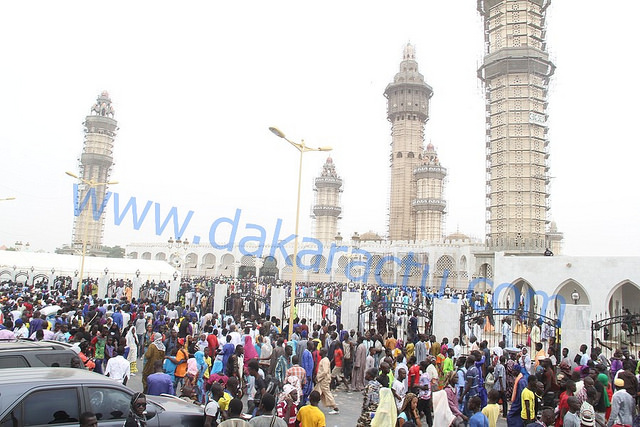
{"x": 429, "y": 204}
{"x": 516, "y": 73}
{"x": 327, "y": 209}
{"x": 96, "y": 162}
{"x": 408, "y": 111}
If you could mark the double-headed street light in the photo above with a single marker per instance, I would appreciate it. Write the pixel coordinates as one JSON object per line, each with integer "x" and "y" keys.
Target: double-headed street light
{"x": 91, "y": 184}
{"x": 302, "y": 148}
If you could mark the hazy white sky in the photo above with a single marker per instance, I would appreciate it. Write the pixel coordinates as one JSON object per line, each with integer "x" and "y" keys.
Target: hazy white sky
{"x": 196, "y": 85}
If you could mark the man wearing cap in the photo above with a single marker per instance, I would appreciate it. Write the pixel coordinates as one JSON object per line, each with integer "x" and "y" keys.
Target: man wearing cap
{"x": 622, "y": 405}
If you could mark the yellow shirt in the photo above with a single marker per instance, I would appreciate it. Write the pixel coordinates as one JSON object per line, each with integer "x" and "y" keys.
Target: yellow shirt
{"x": 224, "y": 401}
{"x": 492, "y": 412}
{"x": 311, "y": 416}
{"x": 528, "y": 398}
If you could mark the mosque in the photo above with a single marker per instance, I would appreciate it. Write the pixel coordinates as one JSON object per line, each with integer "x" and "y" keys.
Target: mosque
{"x": 522, "y": 247}
{"x": 515, "y": 74}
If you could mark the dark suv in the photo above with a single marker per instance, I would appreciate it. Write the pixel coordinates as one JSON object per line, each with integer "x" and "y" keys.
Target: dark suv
{"x": 44, "y": 396}
{"x": 26, "y": 353}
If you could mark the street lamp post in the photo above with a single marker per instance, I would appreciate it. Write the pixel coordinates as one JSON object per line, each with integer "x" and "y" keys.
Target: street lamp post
{"x": 302, "y": 148}
{"x": 91, "y": 184}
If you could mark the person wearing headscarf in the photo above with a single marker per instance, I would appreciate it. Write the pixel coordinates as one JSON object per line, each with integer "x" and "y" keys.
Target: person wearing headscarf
{"x": 217, "y": 372}
{"x": 295, "y": 382}
{"x": 132, "y": 343}
{"x": 202, "y": 366}
{"x": 250, "y": 352}
{"x": 386, "y": 412}
{"x": 603, "y": 405}
{"x": 409, "y": 411}
{"x": 154, "y": 352}
{"x": 287, "y": 407}
{"x": 137, "y": 411}
{"x": 442, "y": 414}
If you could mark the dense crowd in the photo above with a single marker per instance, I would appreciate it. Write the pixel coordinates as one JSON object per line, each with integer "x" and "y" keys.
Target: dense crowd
{"x": 244, "y": 366}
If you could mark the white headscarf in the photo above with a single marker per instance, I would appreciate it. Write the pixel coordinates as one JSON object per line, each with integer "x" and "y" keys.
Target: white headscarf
{"x": 387, "y": 412}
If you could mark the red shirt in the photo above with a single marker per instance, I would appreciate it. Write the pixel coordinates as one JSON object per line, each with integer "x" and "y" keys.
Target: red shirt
{"x": 337, "y": 357}
{"x": 212, "y": 341}
{"x": 414, "y": 375}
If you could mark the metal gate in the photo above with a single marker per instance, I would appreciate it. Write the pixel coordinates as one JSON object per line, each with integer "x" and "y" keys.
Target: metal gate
{"x": 245, "y": 304}
{"x": 609, "y": 334}
{"x": 397, "y": 317}
{"x": 313, "y": 309}
{"x": 513, "y": 326}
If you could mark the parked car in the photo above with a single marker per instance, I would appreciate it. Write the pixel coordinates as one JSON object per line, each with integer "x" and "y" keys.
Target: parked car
{"x": 24, "y": 353}
{"x": 42, "y": 396}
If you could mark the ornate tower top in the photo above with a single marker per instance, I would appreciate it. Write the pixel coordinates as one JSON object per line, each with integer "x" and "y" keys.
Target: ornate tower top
{"x": 103, "y": 106}
{"x": 409, "y": 52}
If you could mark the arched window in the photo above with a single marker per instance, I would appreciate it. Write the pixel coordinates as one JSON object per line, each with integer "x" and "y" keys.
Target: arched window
{"x": 399, "y": 155}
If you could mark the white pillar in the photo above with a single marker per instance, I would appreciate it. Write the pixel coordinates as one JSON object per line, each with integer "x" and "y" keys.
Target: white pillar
{"x": 576, "y": 327}
{"x": 219, "y": 295}
{"x": 446, "y": 318}
{"x": 135, "y": 289}
{"x": 74, "y": 285}
{"x": 174, "y": 286}
{"x": 351, "y": 302}
{"x": 102, "y": 286}
{"x": 278, "y": 295}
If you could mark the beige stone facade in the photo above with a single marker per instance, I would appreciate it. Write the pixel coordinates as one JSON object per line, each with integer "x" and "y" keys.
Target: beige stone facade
{"x": 95, "y": 165}
{"x": 408, "y": 111}
{"x": 429, "y": 204}
{"x": 516, "y": 73}
{"x": 327, "y": 209}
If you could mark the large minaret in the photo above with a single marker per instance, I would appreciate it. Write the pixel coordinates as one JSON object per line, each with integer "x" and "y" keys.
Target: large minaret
{"x": 326, "y": 210}
{"x": 429, "y": 204}
{"x": 95, "y": 165}
{"x": 516, "y": 73}
{"x": 408, "y": 111}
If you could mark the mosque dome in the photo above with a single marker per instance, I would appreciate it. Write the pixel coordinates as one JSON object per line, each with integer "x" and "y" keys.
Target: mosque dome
{"x": 457, "y": 236}
{"x": 370, "y": 236}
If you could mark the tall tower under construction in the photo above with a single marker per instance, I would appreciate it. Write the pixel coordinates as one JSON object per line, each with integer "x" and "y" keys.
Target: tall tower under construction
{"x": 408, "y": 111}
{"x": 96, "y": 162}
{"x": 515, "y": 73}
{"x": 327, "y": 209}
{"x": 429, "y": 204}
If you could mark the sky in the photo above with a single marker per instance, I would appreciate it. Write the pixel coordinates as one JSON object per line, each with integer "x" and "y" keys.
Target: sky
{"x": 196, "y": 85}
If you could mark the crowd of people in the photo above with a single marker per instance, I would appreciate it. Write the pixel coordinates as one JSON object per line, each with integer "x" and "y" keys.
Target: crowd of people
{"x": 245, "y": 367}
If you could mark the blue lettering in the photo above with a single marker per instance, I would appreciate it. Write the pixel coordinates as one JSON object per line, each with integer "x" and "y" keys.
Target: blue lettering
{"x": 358, "y": 263}
{"x": 261, "y": 241}
{"x": 406, "y": 273}
{"x": 332, "y": 251}
{"x": 173, "y": 213}
{"x": 317, "y": 254}
{"x": 232, "y": 236}
{"x": 277, "y": 244}
{"x": 91, "y": 193}
{"x": 118, "y": 216}
{"x": 378, "y": 270}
